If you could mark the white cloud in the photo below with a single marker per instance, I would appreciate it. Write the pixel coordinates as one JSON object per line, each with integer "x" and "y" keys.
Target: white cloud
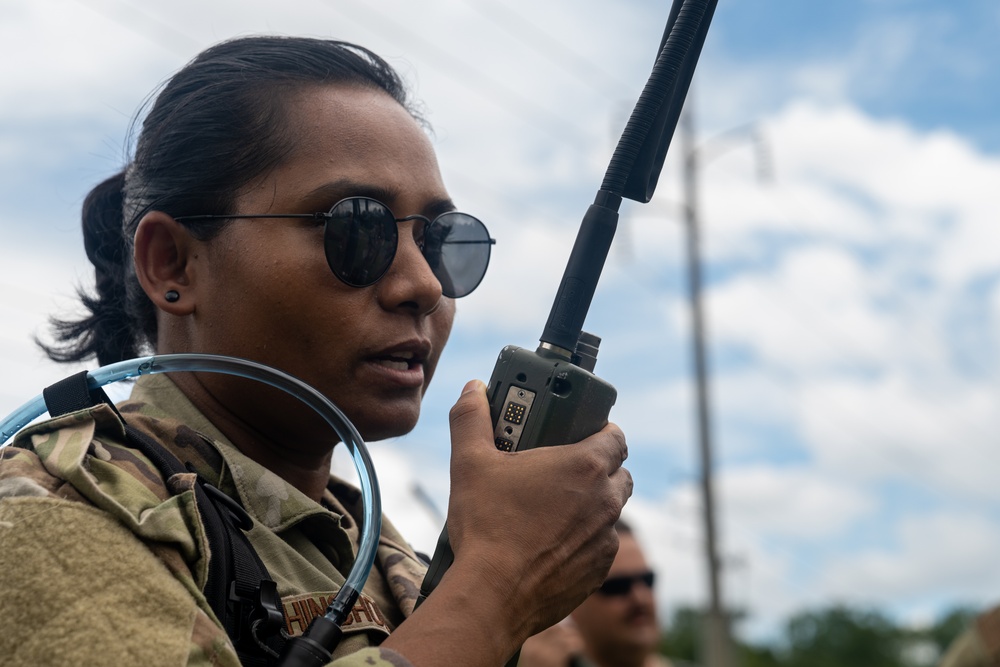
{"x": 33, "y": 289}
{"x": 71, "y": 63}
{"x": 793, "y": 502}
{"x": 786, "y": 316}
{"x": 763, "y": 512}
{"x": 957, "y": 550}
{"x": 942, "y": 440}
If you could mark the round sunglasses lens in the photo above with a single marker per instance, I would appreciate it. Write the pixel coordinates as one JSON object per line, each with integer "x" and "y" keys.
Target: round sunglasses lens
{"x": 359, "y": 240}
{"x": 457, "y": 247}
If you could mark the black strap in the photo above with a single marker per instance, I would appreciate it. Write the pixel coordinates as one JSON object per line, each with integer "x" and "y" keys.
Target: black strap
{"x": 239, "y": 589}
{"x": 73, "y": 393}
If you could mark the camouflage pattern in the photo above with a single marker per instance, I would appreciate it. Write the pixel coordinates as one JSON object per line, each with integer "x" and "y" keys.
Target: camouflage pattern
{"x": 979, "y": 645}
{"x": 83, "y": 458}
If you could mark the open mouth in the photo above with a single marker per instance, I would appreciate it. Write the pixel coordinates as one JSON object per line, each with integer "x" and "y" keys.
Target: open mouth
{"x": 399, "y": 361}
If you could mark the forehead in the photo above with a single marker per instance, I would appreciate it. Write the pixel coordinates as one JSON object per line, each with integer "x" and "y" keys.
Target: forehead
{"x": 629, "y": 559}
{"x": 353, "y": 134}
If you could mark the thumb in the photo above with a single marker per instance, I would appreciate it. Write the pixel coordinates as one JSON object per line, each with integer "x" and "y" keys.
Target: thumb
{"x": 471, "y": 425}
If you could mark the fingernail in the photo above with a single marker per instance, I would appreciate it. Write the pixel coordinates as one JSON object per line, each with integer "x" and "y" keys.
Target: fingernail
{"x": 471, "y": 386}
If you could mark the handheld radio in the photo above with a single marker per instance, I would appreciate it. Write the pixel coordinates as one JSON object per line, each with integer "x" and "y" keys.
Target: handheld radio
{"x": 550, "y": 396}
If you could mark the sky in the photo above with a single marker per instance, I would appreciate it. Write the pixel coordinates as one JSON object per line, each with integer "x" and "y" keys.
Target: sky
{"x": 846, "y": 209}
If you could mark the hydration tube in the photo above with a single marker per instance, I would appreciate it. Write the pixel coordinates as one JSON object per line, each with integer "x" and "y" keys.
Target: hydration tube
{"x": 321, "y": 636}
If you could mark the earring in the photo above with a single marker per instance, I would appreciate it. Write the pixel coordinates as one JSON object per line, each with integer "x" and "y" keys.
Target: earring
{"x": 172, "y": 296}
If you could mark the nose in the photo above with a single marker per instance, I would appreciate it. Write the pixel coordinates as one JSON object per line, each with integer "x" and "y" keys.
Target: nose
{"x": 409, "y": 285}
{"x": 641, "y": 592}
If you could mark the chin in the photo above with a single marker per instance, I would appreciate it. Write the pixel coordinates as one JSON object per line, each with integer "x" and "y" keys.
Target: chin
{"x": 379, "y": 417}
{"x": 382, "y": 428}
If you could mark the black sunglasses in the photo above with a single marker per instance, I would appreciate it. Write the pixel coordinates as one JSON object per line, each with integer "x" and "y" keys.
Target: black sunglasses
{"x": 360, "y": 239}
{"x": 621, "y": 586}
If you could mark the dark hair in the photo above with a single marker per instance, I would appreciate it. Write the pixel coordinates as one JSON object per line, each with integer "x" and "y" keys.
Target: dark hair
{"x": 218, "y": 124}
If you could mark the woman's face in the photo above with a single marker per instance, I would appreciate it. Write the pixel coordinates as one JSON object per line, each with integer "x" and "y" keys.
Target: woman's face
{"x": 266, "y": 291}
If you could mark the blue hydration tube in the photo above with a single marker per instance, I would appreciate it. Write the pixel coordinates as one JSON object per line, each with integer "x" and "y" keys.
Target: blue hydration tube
{"x": 371, "y": 526}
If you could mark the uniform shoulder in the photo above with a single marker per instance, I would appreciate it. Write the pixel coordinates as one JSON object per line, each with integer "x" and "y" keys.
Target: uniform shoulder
{"x": 86, "y": 456}
{"x": 41, "y": 458}
{"x": 978, "y": 645}
{"x": 987, "y": 626}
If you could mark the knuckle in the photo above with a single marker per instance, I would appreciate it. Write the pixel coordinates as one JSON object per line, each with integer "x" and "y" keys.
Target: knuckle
{"x": 610, "y": 509}
{"x": 629, "y": 483}
{"x": 608, "y": 549}
{"x": 592, "y": 465}
{"x": 619, "y": 437}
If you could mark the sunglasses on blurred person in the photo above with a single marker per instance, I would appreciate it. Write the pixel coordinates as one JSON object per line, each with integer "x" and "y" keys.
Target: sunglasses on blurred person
{"x": 622, "y": 586}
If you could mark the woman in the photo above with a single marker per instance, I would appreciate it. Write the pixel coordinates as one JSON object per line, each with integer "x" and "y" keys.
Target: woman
{"x": 272, "y": 181}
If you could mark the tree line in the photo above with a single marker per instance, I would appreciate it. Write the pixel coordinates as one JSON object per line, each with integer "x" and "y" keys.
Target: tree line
{"x": 837, "y": 636}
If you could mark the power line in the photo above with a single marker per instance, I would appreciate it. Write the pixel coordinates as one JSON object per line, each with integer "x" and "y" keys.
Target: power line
{"x": 149, "y": 27}
{"x": 497, "y": 92}
{"x": 552, "y": 49}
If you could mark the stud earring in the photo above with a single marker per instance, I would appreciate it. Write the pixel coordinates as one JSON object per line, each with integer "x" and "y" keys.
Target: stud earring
{"x": 172, "y": 296}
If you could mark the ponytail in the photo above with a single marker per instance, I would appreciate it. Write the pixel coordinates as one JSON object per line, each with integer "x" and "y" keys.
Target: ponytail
{"x": 106, "y": 332}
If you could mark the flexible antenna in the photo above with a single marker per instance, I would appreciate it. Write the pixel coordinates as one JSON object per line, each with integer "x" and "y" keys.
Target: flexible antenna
{"x": 634, "y": 168}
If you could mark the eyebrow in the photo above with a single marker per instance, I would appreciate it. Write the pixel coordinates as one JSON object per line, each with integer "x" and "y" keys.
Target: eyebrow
{"x": 330, "y": 193}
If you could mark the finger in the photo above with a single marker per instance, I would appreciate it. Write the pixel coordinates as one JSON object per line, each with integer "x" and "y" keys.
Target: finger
{"x": 619, "y": 439}
{"x": 471, "y": 425}
{"x": 610, "y": 445}
{"x": 618, "y": 493}
{"x": 623, "y": 478}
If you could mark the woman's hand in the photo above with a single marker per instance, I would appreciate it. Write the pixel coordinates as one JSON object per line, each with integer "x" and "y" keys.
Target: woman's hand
{"x": 532, "y": 532}
{"x": 536, "y": 526}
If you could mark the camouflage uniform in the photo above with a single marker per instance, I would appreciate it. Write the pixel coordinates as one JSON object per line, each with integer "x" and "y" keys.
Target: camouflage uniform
{"x": 979, "y": 645}
{"x": 102, "y": 561}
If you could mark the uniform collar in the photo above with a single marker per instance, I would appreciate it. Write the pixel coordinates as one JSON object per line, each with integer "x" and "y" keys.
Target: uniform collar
{"x": 158, "y": 406}
{"x": 184, "y": 429}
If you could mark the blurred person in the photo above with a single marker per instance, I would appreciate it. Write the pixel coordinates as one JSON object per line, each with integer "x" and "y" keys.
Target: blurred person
{"x": 616, "y": 626}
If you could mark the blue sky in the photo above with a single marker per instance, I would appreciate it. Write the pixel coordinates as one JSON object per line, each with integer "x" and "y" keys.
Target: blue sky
{"x": 852, "y": 298}
{"x": 928, "y": 62}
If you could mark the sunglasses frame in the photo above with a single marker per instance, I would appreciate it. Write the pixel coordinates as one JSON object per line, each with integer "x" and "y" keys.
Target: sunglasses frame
{"x": 328, "y": 217}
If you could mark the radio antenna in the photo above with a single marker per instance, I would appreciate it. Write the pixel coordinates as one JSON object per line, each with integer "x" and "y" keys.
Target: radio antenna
{"x": 634, "y": 169}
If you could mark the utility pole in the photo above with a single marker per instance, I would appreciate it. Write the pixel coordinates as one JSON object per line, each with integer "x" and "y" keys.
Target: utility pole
{"x": 716, "y": 642}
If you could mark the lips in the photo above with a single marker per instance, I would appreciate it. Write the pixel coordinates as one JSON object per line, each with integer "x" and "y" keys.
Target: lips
{"x": 400, "y": 361}
{"x": 406, "y": 359}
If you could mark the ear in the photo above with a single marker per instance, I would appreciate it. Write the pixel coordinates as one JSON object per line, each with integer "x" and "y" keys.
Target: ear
{"x": 163, "y": 248}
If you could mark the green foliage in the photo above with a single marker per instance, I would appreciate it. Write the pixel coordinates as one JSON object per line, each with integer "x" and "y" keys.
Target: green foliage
{"x": 682, "y": 636}
{"x": 836, "y": 636}
{"x": 759, "y": 656}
